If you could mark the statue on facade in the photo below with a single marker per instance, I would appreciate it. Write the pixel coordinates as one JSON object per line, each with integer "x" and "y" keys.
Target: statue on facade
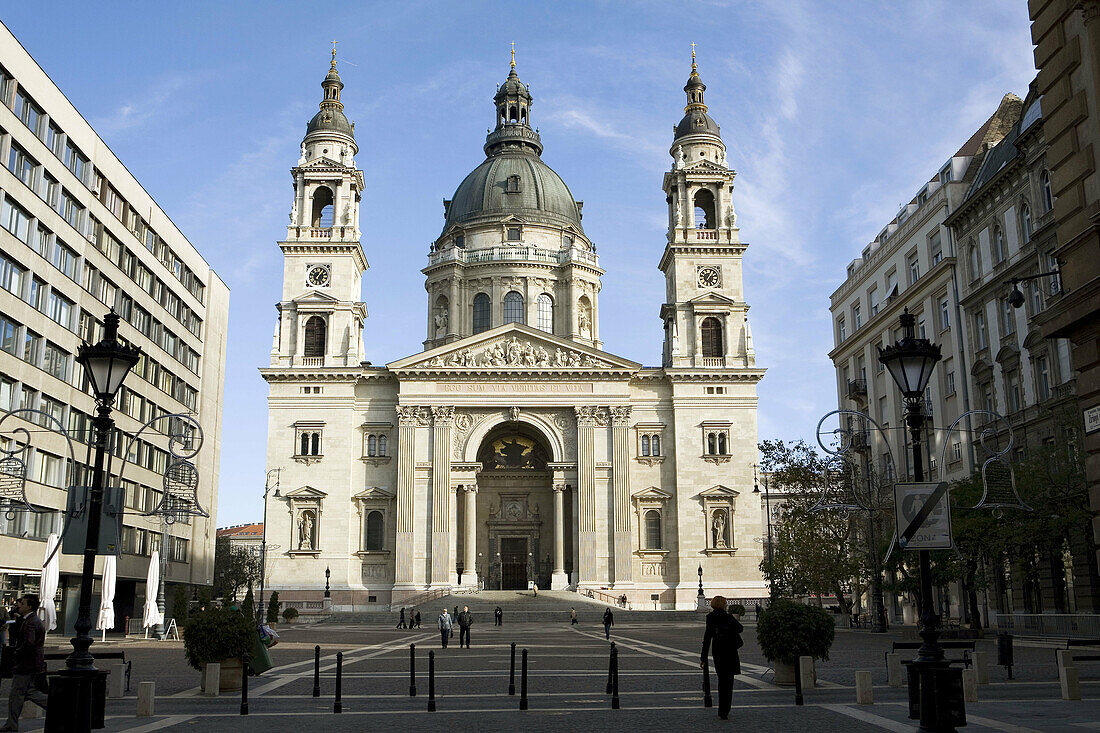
{"x": 441, "y": 320}
{"x": 719, "y": 527}
{"x": 302, "y": 157}
{"x": 679, "y": 157}
{"x": 584, "y": 321}
{"x": 305, "y": 532}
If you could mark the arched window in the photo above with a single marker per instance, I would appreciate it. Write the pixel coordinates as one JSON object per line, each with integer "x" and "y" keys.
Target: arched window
{"x": 513, "y": 307}
{"x": 645, "y": 445}
{"x": 653, "y": 530}
{"x": 512, "y": 116}
{"x": 712, "y": 337}
{"x": 722, "y": 448}
{"x": 315, "y": 444}
{"x": 712, "y": 444}
{"x": 655, "y": 444}
{"x": 546, "y": 313}
{"x": 322, "y": 207}
{"x": 1025, "y": 221}
{"x": 315, "y": 337}
{"x": 975, "y": 261}
{"x": 1044, "y": 187}
{"x": 375, "y": 531}
{"x": 998, "y": 245}
{"x": 381, "y": 445}
{"x": 482, "y": 319}
{"x": 704, "y": 209}
{"x": 303, "y": 449}
{"x": 372, "y": 445}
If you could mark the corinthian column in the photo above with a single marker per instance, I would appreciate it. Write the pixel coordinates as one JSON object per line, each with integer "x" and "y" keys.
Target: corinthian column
{"x": 586, "y": 494}
{"x": 469, "y": 572}
{"x": 406, "y": 485}
{"x": 559, "y": 581}
{"x": 620, "y": 491}
{"x": 443, "y": 562}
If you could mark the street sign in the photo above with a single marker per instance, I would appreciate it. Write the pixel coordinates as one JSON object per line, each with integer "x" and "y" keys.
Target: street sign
{"x": 923, "y": 516}
{"x": 76, "y": 518}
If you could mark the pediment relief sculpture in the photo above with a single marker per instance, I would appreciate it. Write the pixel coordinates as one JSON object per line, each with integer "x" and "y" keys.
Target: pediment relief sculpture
{"x": 516, "y": 353}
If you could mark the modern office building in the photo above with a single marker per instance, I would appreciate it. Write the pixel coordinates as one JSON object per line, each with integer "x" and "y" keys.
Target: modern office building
{"x": 78, "y": 237}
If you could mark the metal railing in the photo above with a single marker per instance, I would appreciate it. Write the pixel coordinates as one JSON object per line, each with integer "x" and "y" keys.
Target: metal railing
{"x": 513, "y": 253}
{"x": 857, "y": 388}
{"x": 1066, "y": 625}
{"x": 429, "y": 595}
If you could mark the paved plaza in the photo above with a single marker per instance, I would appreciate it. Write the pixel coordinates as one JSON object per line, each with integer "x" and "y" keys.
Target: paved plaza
{"x": 659, "y": 684}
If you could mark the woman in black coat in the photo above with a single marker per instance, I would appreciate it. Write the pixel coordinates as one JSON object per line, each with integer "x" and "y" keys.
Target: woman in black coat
{"x": 722, "y": 639}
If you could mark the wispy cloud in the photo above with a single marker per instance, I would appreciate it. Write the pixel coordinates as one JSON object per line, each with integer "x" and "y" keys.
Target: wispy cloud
{"x": 160, "y": 96}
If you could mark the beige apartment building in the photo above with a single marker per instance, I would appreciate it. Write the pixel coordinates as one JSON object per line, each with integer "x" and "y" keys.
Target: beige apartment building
{"x": 78, "y": 237}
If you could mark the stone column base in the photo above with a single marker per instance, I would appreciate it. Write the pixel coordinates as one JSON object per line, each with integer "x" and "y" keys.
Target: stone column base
{"x": 559, "y": 580}
{"x": 469, "y": 580}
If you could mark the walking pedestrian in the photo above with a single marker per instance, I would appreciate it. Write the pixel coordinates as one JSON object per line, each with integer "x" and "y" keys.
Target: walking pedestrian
{"x": 608, "y": 622}
{"x": 572, "y": 617}
{"x": 29, "y": 669}
{"x": 401, "y": 622}
{"x": 722, "y": 639}
{"x": 418, "y": 619}
{"x": 465, "y": 619}
{"x": 498, "y": 615}
{"x": 445, "y": 627}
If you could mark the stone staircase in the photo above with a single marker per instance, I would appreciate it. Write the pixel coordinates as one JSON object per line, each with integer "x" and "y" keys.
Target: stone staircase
{"x": 519, "y": 607}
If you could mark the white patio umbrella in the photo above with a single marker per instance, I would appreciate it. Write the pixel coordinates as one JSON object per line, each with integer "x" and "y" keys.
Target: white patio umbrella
{"x": 152, "y": 615}
{"x": 106, "y": 619}
{"x": 47, "y": 611}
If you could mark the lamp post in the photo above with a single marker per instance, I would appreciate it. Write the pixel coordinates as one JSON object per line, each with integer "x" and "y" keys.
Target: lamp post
{"x": 327, "y": 574}
{"x": 768, "y": 513}
{"x": 910, "y": 362}
{"x": 263, "y": 540}
{"x": 106, "y": 364}
{"x": 701, "y": 594}
{"x": 159, "y": 630}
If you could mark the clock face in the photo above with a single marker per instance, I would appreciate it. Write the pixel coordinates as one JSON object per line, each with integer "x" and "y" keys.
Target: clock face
{"x": 318, "y": 276}
{"x": 709, "y": 277}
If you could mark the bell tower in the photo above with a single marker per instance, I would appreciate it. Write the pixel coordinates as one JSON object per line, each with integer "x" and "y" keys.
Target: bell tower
{"x": 705, "y": 315}
{"x": 321, "y": 314}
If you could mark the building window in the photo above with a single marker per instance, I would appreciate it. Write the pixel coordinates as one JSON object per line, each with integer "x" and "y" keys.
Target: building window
{"x": 975, "y": 260}
{"x": 857, "y": 315}
{"x": 376, "y": 446}
{"x": 481, "y": 313}
{"x": 16, "y": 220}
{"x": 514, "y": 234}
{"x": 841, "y": 330}
{"x": 712, "y": 337}
{"x": 375, "y": 532}
{"x": 998, "y": 246}
{"x": 1012, "y": 387}
{"x": 956, "y": 451}
{"x": 945, "y": 314}
{"x": 872, "y": 299}
{"x": 704, "y": 209}
{"x": 513, "y": 184}
{"x": 913, "y": 264}
{"x": 949, "y": 382}
{"x": 980, "y": 335}
{"x": 1036, "y": 290}
{"x": 717, "y": 442}
{"x": 1044, "y": 188}
{"x": 315, "y": 337}
{"x": 513, "y": 307}
{"x": 22, "y": 165}
{"x": 1008, "y": 317}
{"x": 309, "y": 442}
{"x": 56, "y": 361}
{"x": 1042, "y": 377}
{"x": 1055, "y": 280}
{"x": 653, "y": 530}
{"x": 1025, "y": 222}
{"x": 545, "y": 313}
{"x": 935, "y": 248}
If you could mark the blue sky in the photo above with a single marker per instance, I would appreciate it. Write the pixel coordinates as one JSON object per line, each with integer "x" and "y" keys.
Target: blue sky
{"x": 834, "y": 114}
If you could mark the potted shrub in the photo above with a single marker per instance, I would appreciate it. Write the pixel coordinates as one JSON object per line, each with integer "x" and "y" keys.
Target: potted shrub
{"x": 290, "y": 614}
{"x": 788, "y": 630}
{"x": 736, "y": 609}
{"x": 220, "y": 635}
{"x": 273, "y": 607}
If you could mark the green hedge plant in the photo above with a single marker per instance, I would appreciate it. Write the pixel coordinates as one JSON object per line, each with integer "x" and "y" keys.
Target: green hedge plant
{"x": 217, "y": 634}
{"x": 788, "y": 630}
{"x": 290, "y": 614}
{"x": 273, "y": 606}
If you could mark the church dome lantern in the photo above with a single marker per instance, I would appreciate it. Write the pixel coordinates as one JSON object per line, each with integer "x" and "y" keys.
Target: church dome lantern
{"x": 330, "y": 119}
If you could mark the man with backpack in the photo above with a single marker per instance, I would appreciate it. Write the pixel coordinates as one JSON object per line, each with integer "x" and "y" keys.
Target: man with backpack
{"x": 608, "y": 622}
{"x": 722, "y": 639}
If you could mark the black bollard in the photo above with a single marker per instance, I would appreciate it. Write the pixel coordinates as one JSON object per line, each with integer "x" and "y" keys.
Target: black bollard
{"x": 610, "y": 668}
{"x": 615, "y": 678}
{"x": 708, "y": 701}
{"x": 512, "y": 673}
{"x": 317, "y": 671}
{"x": 523, "y": 684}
{"x": 431, "y": 682}
{"x": 337, "y": 705}
{"x": 798, "y": 682}
{"x": 244, "y": 685}
{"x": 412, "y": 670}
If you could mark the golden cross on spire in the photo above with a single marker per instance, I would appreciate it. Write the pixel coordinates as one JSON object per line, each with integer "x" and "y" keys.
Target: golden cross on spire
{"x": 693, "y": 52}
{"x": 513, "y": 54}
{"x": 334, "y": 52}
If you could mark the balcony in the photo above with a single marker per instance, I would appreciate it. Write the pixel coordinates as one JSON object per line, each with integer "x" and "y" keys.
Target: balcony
{"x": 513, "y": 254}
{"x": 712, "y": 361}
{"x": 313, "y": 361}
{"x": 857, "y": 389}
{"x": 706, "y": 234}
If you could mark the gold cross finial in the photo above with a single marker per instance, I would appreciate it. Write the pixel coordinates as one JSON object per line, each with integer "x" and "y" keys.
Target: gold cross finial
{"x": 513, "y": 54}
{"x": 693, "y": 52}
{"x": 334, "y": 52}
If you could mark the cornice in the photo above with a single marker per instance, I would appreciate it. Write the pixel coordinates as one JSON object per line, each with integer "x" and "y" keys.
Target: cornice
{"x": 312, "y": 374}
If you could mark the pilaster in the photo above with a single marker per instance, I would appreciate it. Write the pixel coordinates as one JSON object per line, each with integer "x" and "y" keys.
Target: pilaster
{"x": 444, "y": 572}
{"x": 406, "y": 484}
{"x": 586, "y": 493}
{"x": 620, "y": 488}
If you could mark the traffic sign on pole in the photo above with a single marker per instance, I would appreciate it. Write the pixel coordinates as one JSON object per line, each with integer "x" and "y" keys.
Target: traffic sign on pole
{"x": 923, "y": 514}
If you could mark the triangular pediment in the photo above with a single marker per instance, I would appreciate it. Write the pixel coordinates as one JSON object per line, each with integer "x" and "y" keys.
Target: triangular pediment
{"x": 711, "y": 297}
{"x": 719, "y": 492}
{"x": 322, "y": 162}
{"x": 305, "y": 492}
{"x": 315, "y": 296}
{"x": 515, "y": 347}
{"x": 651, "y": 494}
{"x": 375, "y": 493}
{"x": 705, "y": 166}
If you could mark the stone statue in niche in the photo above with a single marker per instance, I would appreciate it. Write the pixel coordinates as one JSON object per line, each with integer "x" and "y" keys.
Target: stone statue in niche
{"x": 679, "y": 157}
{"x": 584, "y": 323}
{"x": 442, "y": 317}
{"x": 719, "y": 527}
{"x": 305, "y": 531}
{"x": 302, "y": 158}
{"x": 347, "y": 213}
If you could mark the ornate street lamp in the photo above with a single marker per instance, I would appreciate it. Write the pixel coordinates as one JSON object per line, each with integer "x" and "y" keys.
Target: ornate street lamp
{"x": 701, "y": 594}
{"x": 327, "y": 574}
{"x": 768, "y": 511}
{"x": 106, "y": 363}
{"x": 910, "y": 363}
{"x": 263, "y": 538}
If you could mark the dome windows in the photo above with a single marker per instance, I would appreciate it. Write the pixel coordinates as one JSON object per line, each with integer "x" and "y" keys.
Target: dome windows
{"x": 545, "y": 308}
{"x": 482, "y": 317}
{"x": 513, "y": 307}
{"x": 514, "y": 234}
{"x": 513, "y": 184}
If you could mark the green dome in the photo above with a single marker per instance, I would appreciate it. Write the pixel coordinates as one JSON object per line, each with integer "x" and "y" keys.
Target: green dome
{"x": 330, "y": 120}
{"x": 542, "y": 197}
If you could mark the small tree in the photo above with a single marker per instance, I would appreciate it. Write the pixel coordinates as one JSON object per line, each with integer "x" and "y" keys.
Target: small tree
{"x": 248, "y": 605}
{"x": 273, "y": 608}
{"x": 180, "y": 611}
{"x": 290, "y": 614}
{"x": 788, "y": 630}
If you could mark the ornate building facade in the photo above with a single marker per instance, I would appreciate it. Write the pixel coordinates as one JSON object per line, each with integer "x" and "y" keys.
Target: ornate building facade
{"x": 512, "y": 449}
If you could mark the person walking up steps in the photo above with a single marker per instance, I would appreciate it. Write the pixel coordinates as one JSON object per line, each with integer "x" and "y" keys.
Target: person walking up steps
{"x": 498, "y": 616}
{"x": 401, "y": 621}
{"x": 572, "y": 617}
{"x": 445, "y": 627}
{"x": 465, "y": 619}
{"x": 608, "y": 622}
{"x": 418, "y": 619}
{"x": 723, "y": 638}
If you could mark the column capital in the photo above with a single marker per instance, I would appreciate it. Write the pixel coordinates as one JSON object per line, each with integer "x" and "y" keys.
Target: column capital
{"x": 586, "y": 415}
{"x": 470, "y": 488}
{"x": 560, "y": 488}
{"x": 413, "y": 415}
{"x": 620, "y": 415}
{"x": 442, "y": 415}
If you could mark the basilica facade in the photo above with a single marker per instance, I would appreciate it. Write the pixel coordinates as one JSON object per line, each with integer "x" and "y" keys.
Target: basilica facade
{"x": 513, "y": 449}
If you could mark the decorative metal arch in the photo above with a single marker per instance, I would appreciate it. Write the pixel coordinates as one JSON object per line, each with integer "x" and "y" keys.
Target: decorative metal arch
{"x": 998, "y": 479}
{"x": 181, "y": 478}
{"x": 13, "y": 469}
{"x": 852, "y": 435}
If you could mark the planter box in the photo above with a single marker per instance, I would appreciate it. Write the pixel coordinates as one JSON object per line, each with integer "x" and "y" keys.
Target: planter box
{"x": 232, "y": 674}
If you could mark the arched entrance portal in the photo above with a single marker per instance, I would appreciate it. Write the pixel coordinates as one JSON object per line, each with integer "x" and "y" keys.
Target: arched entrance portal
{"x": 514, "y": 528}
